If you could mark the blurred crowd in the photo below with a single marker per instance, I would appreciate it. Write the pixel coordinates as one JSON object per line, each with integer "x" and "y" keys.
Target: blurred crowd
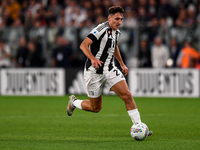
{"x": 47, "y": 33}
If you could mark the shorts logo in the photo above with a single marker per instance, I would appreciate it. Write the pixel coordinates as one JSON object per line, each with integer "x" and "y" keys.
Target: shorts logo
{"x": 95, "y": 32}
{"x": 91, "y": 93}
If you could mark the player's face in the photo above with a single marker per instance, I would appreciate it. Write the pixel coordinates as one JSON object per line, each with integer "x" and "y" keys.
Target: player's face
{"x": 115, "y": 20}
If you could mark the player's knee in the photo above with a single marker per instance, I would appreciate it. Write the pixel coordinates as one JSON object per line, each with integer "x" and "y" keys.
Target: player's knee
{"x": 96, "y": 109}
{"x": 126, "y": 95}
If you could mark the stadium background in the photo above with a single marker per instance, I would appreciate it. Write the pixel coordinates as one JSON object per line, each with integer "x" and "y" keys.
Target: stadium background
{"x": 167, "y": 97}
{"x": 56, "y": 28}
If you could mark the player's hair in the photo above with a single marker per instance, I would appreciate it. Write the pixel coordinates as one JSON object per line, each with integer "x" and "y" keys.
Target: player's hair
{"x": 115, "y": 9}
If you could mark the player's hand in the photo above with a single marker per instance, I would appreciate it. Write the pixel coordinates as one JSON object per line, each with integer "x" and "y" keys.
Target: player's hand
{"x": 124, "y": 70}
{"x": 96, "y": 63}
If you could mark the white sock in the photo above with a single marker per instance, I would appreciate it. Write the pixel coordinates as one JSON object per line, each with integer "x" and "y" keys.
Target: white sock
{"x": 134, "y": 115}
{"x": 77, "y": 103}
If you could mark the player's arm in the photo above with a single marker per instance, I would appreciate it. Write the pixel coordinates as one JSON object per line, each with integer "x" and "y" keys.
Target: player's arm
{"x": 85, "y": 48}
{"x": 119, "y": 59}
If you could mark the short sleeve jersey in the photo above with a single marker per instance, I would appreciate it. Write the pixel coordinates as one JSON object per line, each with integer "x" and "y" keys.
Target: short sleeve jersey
{"x": 103, "y": 46}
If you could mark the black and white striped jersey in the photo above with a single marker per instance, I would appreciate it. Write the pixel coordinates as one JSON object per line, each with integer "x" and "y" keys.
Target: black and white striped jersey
{"x": 103, "y": 46}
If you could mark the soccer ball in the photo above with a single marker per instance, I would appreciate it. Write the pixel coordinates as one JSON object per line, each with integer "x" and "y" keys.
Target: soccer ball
{"x": 139, "y": 131}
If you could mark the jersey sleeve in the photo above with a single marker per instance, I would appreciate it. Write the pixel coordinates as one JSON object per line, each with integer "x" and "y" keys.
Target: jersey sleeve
{"x": 95, "y": 34}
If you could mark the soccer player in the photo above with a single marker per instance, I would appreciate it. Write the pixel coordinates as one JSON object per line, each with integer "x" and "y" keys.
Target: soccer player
{"x": 100, "y": 47}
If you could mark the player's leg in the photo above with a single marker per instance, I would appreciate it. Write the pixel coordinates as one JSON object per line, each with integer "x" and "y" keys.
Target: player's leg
{"x": 93, "y": 105}
{"x": 94, "y": 84}
{"x": 121, "y": 89}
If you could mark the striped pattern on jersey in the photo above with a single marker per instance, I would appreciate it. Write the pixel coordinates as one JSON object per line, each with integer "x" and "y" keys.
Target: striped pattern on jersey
{"x": 101, "y": 27}
{"x": 103, "y": 46}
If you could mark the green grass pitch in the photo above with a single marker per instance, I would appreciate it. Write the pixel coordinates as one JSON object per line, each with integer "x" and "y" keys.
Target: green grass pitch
{"x": 31, "y": 123}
